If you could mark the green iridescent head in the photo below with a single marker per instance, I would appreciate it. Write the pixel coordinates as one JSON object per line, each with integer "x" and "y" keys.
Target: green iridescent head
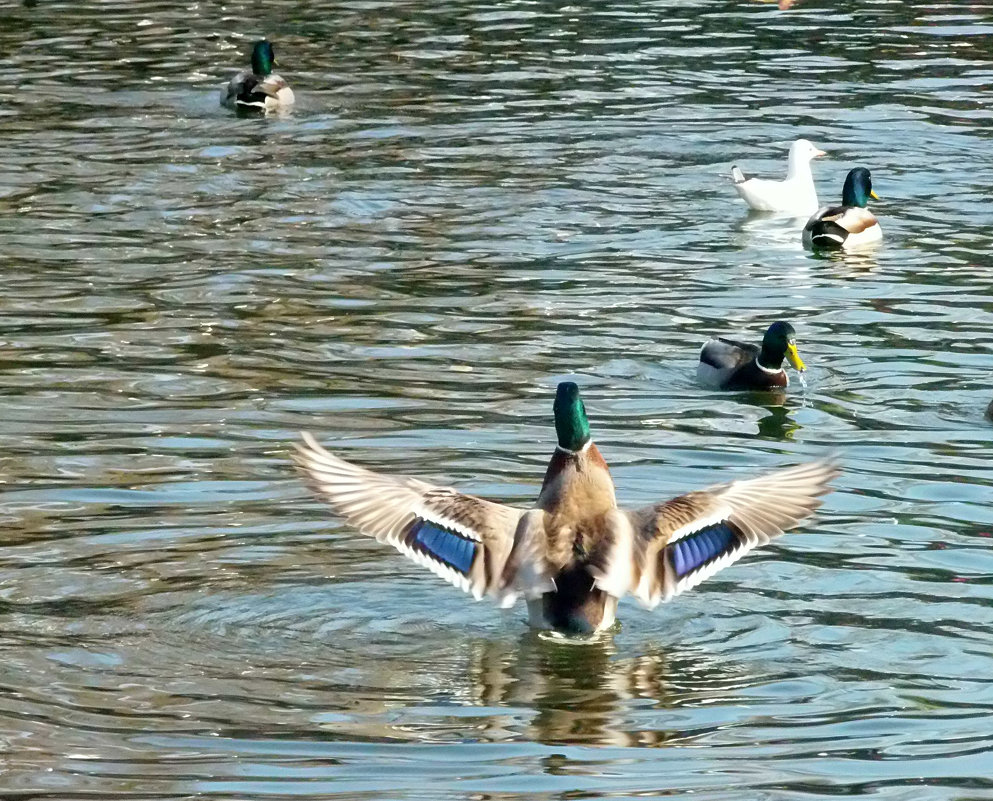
{"x": 263, "y": 57}
{"x": 779, "y": 343}
{"x": 858, "y": 188}
{"x": 571, "y": 425}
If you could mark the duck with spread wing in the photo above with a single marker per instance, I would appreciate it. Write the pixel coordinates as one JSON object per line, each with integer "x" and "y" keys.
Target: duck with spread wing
{"x": 575, "y": 553}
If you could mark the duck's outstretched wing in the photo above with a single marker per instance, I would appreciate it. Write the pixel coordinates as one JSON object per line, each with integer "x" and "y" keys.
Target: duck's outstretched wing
{"x": 464, "y": 539}
{"x": 675, "y": 545}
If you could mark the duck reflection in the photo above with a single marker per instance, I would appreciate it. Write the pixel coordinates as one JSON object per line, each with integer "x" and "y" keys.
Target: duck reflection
{"x": 586, "y": 693}
{"x": 778, "y": 424}
{"x": 774, "y": 415}
{"x": 849, "y": 263}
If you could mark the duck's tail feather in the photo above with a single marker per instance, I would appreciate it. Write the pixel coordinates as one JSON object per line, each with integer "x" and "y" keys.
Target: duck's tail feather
{"x": 827, "y": 235}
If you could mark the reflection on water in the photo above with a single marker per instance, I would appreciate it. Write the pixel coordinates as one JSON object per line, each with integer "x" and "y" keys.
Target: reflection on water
{"x": 469, "y": 203}
{"x": 590, "y": 694}
{"x": 778, "y": 425}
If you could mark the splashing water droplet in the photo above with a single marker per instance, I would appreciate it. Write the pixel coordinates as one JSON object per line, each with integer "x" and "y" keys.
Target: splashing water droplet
{"x": 803, "y": 381}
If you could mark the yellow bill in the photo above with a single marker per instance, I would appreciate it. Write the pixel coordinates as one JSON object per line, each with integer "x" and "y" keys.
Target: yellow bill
{"x": 873, "y": 194}
{"x": 793, "y": 357}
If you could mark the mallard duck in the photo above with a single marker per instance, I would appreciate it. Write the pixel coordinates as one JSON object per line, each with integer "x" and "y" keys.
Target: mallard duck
{"x": 727, "y": 364}
{"x": 850, "y": 225}
{"x": 575, "y": 553}
{"x": 261, "y": 88}
{"x": 795, "y": 195}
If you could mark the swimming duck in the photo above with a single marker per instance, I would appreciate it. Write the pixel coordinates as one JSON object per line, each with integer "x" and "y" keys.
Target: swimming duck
{"x": 795, "y": 195}
{"x": 727, "y": 364}
{"x": 575, "y": 553}
{"x": 850, "y": 225}
{"x": 261, "y": 88}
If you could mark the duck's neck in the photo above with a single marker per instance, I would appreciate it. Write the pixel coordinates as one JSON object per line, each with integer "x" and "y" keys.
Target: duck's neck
{"x": 769, "y": 363}
{"x": 577, "y": 483}
{"x": 578, "y": 451}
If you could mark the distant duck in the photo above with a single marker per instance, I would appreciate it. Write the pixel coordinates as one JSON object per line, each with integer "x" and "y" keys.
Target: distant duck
{"x": 261, "y": 88}
{"x": 850, "y": 225}
{"x": 795, "y": 195}
{"x": 574, "y": 554}
{"x": 727, "y": 364}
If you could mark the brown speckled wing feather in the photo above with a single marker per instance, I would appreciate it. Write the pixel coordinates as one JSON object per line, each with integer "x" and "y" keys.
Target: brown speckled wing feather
{"x": 464, "y": 539}
{"x": 675, "y": 545}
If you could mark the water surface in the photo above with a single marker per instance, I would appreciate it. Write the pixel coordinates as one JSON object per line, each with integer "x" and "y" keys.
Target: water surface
{"x": 470, "y": 203}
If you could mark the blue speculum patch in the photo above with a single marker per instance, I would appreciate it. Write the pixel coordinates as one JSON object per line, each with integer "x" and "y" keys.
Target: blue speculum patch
{"x": 696, "y": 550}
{"x": 452, "y": 549}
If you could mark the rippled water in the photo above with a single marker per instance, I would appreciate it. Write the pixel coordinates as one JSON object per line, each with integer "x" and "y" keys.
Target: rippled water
{"x": 469, "y": 203}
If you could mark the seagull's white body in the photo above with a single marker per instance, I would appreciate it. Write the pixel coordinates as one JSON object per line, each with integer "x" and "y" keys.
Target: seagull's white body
{"x": 795, "y": 195}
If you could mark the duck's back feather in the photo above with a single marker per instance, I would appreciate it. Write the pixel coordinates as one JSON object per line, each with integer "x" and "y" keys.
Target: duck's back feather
{"x": 247, "y": 90}
{"x": 837, "y": 227}
{"x": 727, "y": 354}
{"x": 721, "y": 358}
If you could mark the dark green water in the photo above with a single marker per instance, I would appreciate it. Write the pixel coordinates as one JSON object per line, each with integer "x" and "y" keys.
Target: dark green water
{"x": 471, "y": 202}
